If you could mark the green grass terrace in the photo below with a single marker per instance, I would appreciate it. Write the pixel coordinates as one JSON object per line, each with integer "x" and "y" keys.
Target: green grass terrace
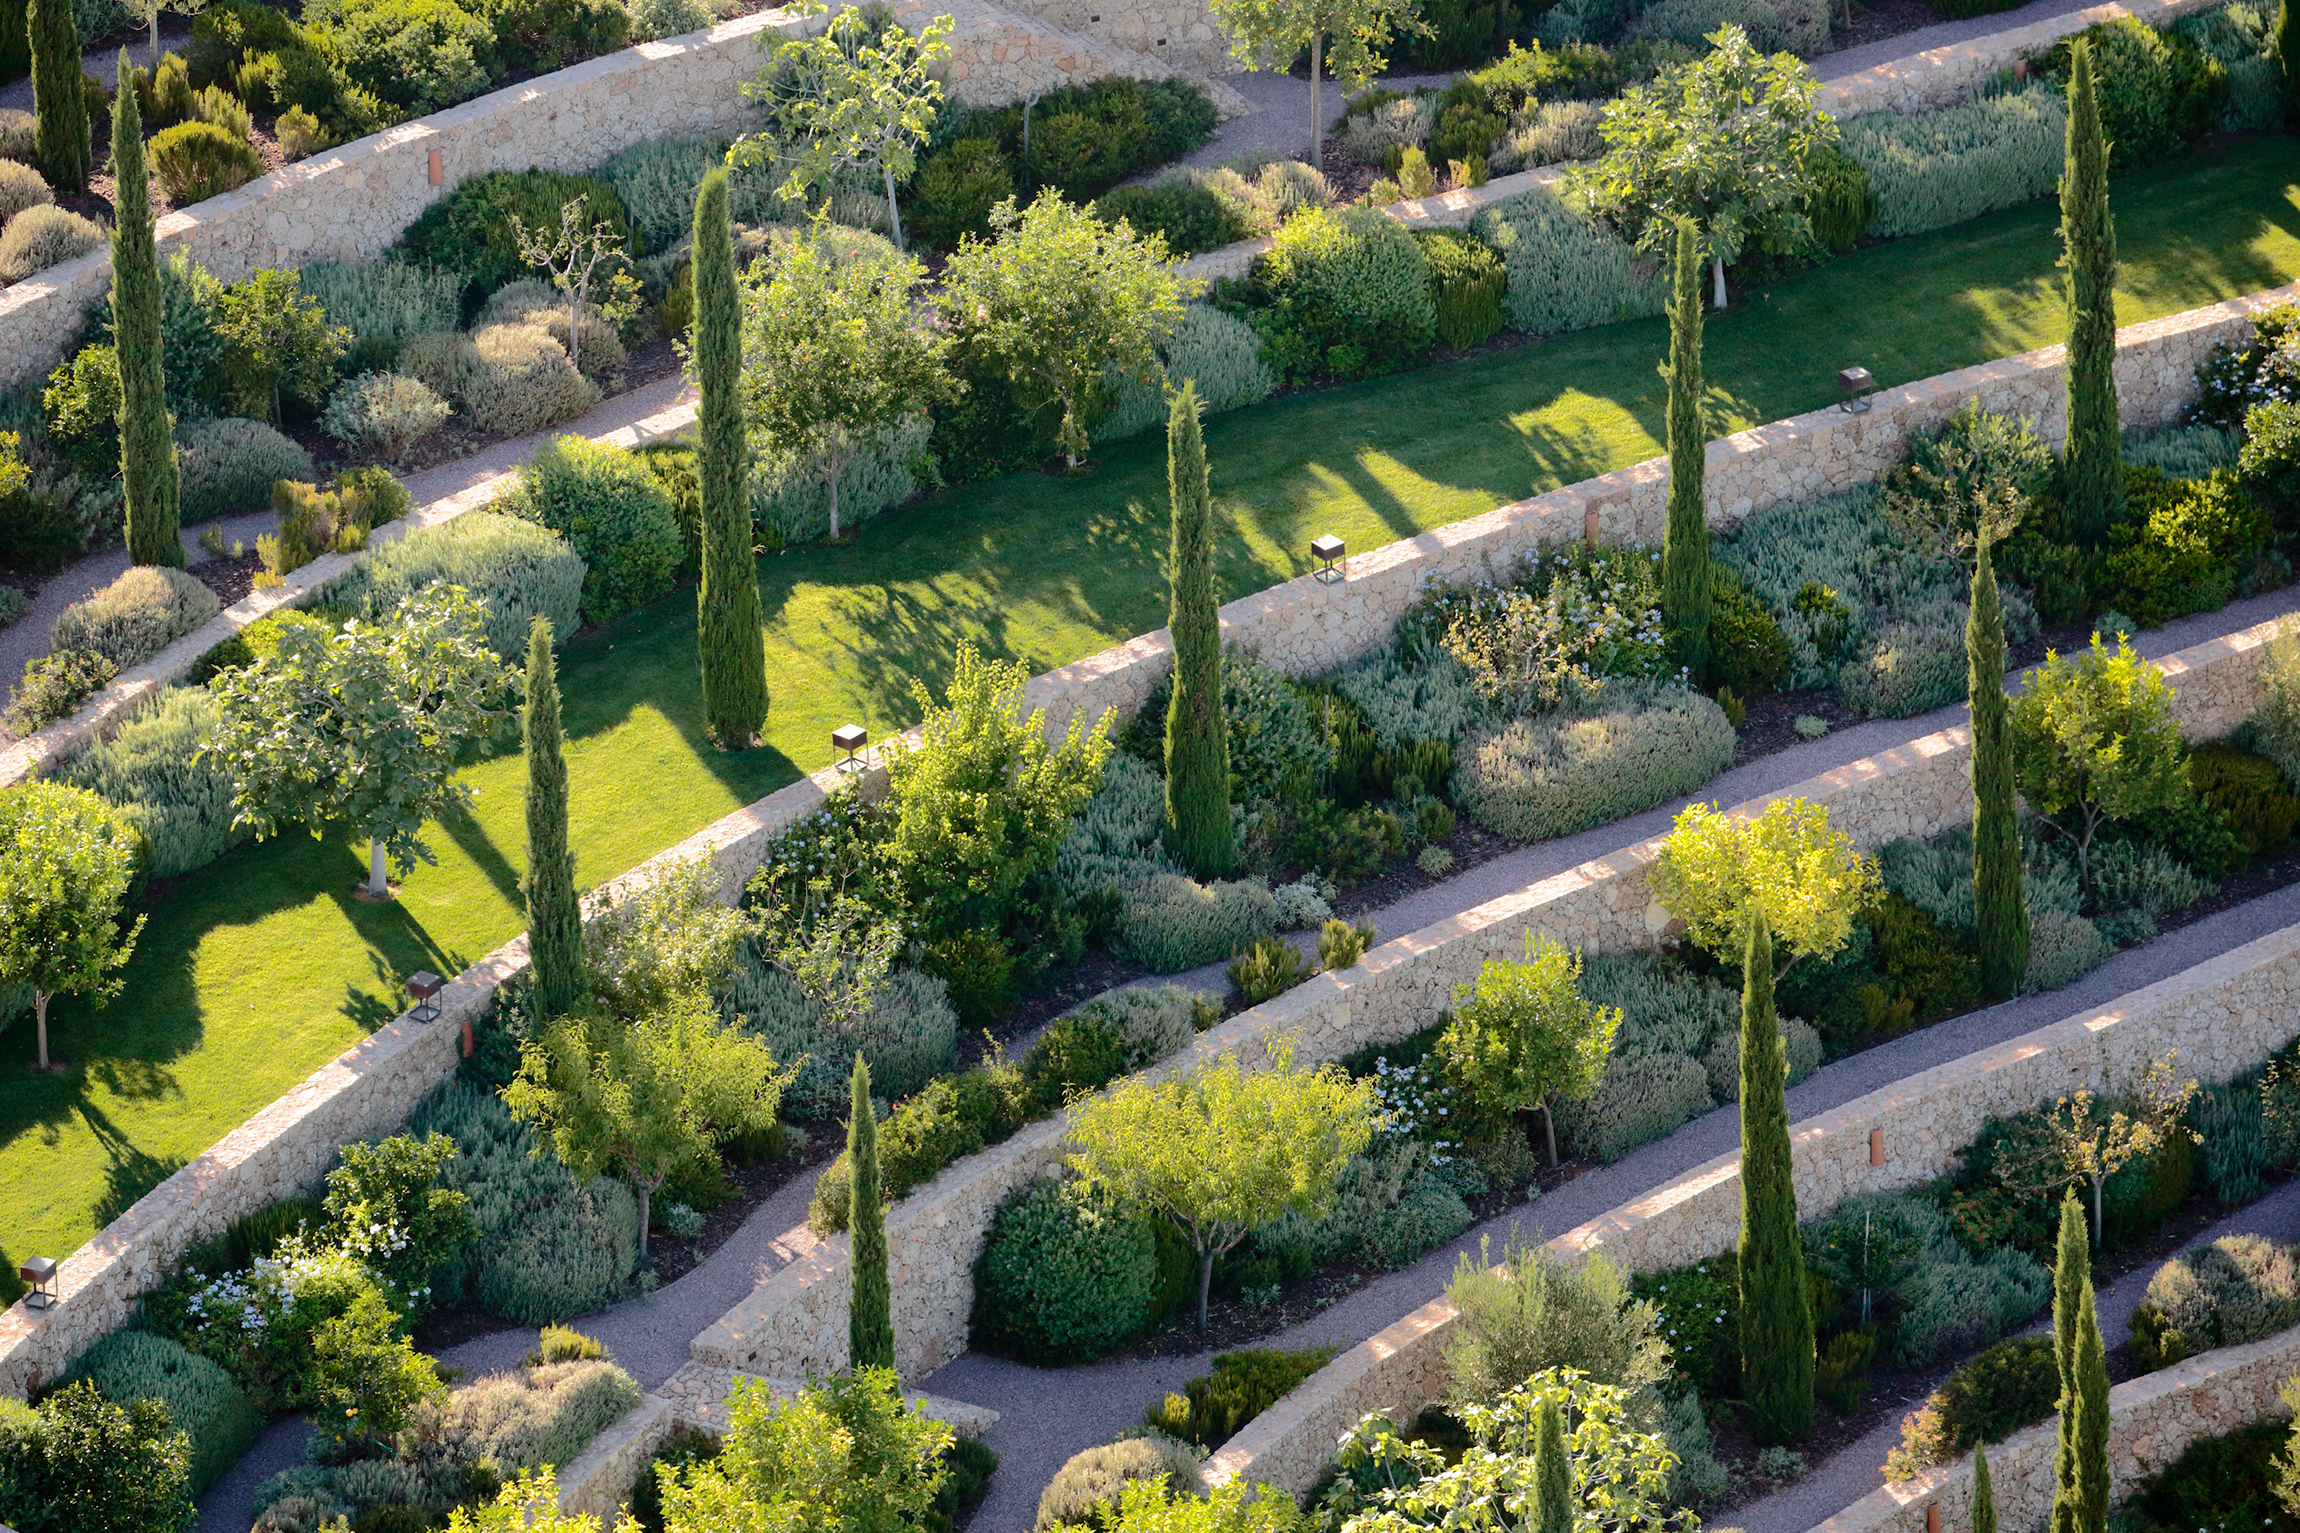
{"x": 255, "y": 971}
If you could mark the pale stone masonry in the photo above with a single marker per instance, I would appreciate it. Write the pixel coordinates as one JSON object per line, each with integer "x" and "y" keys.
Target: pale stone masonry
{"x": 2224, "y": 1016}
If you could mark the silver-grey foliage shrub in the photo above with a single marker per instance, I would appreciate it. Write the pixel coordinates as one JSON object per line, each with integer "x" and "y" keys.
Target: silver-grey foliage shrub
{"x": 1665, "y": 1008}
{"x": 139, "y": 614}
{"x": 202, "y": 1400}
{"x": 657, "y": 181}
{"x": 383, "y": 300}
{"x": 1427, "y": 698}
{"x": 1550, "y": 776}
{"x": 790, "y": 504}
{"x": 1566, "y": 270}
{"x": 1154, "y": 1022}
{"x": 2276, "y": 722}
{"x": 42, "y": 236}
{"x": 152, "y": 771}
{"x": 1774, "y": 26}
{"x": 1092, "y": 1479}
{"x": 2240, "y": 1288}
{"x": 516, "y": 379}
{"x": 1800, "y": 1039}
{"x": 551, "y": 1245}
{"x": 1217, "y": 351}
{"x": 1549, "y": 133}
{"x": 2240, "y": 37}
{"x": 1389, "y": 1208}
{"x": 1639, "y": 1100}
{"x": 1952, "y": 1307}
{"x": 1172, "y": 923}
{"x": 2063, "y": 947}
{"x": 1534, "y": 1310}
{"x": 535, "y": 1416}
{"x": 1113, "y": 844}
{"x": 229, "y": 465}
{"x": 2185, "y": 452}
{"x": 2140, "y": 882}
{"x": 907, "y": 1035}
{"x": 1933, "y": 169}
{"x": 512, "y": 567}
{"x": 1401, "y": 124}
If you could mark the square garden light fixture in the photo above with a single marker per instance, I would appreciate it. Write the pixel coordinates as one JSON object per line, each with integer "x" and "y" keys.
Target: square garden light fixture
{"x": 39, "y": 1274}
{"x": 1329, "y": 551}
{"x": 849, "y": 738}
{"x": 423, "y": 988}
{"x": 1855, "y": 381}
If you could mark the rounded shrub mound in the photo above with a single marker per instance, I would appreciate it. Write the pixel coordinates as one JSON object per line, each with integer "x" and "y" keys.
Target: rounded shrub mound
{"x": 469, "y": 230}
{"x": 151, "y": 769}
{"x": 513, "y": 568}
{"x": 616, "y": 513}
{"x": 136, "y": 616}
{"x": 2240, "y": 1288}
{"x": 1090, "y": 1483}
{"x": 515, "y": 379}
{"x": 199, "y": 160}
{"x": 1556, "y": 774}
{"x": 1356, "y": 286}
{"x": 43, "y": 236}
{"x": 229, "y": 465}
{"x": 21, "y": 187}
{"x": 1066, "y": 1276}
{"x": 201, "y": 1399}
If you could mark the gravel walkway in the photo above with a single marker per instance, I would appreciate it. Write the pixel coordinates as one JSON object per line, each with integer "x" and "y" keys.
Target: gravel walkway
{"x": 1835, "y": 66}
{"x": 27, "y": 637}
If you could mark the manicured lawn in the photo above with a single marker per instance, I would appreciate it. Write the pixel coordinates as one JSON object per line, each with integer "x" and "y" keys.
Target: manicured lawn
{"x": 254, "y": 972}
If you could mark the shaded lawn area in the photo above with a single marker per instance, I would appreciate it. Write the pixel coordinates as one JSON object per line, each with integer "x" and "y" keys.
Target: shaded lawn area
{"x": 256, "y": 971}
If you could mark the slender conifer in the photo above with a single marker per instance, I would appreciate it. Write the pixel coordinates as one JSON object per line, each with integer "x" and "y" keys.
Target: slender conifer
{"x": 2000, "y": 909}
{"x": 1553, "y": 1506}
{"x": 728, "y": 615}
{"x": 15, "y": 42}
{"x": 1197, "y": 735}
{"x": 2093, "y": 467}
{"x": 870, "y": 1312}
{"x": 1984, "y": 1494}
{"x": 554, "y": 918}
{"x": 1776, "y": 1312}
{"x": 1685, "y": 537}
{"x": 59, "y": 99}
{"x": 151, "y": 487}
{"x": 2071, "y": 1304}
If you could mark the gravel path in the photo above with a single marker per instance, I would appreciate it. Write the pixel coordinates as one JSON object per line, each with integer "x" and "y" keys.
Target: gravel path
{"x": 27, "y": 637}
{"x": 1835, "y": 66}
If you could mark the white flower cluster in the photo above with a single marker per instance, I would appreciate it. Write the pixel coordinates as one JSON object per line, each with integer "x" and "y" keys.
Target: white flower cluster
{"x": 1414, "y": 1101}
{"x": 1551, "y": 632}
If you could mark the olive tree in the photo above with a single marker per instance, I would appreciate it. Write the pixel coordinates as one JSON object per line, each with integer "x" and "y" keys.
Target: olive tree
{"x": 1717, "y": 871}
{"x": 362, "y": 728}
{"x": 1723, "y": 141}
{"x": 66, "y": 859}
{"x": 1224, "y": 1148}
{"x": 1347, "y": 38}
{"x": 1523, "y": 1037}
{"x": 1063, "y": 303}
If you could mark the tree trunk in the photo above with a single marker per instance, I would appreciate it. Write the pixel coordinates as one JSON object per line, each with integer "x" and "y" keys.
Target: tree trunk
{"x": 831, "y": 480}
{"x": 1205, "y": 1284}
{"x": 646, "y": 1207}
{"x": 1549, "y": 1126}
{"x": 40, "y": 1021}
{"x": 377, "y": 886}
{"x": 155, "y": 37}
{"x": 2096, "y": 1214}
{"x": 1718, "y": 284}
{"x": 1317, "y": 116}
{"x": 575, "y": 327}
{"x": 893, "y": 213}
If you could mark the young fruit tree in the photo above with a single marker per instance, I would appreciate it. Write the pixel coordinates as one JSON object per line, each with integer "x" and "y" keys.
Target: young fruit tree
{"x": 1717, "y": 871}
{"x": 2094, "y": 740}
{"x": 2087, "y": 1141}
{"x": 1063, "y": 303}
{"x": 362, "y": 728}
{"x": 570, "y": 256}
{"x": 1523, "y": 1037}
{"x": 1345, "y": 38}
{"x": 1224, "y": 1148}
{"x": 843, "y": 98}
{"x": 834, "y": 358}
{"x": 1724, "y": 141}
{"x": 637, "y": 1098}
{"x": 66, "y": 858}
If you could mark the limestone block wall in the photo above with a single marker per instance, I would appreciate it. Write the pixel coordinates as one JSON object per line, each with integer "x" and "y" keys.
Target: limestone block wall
{"x": 352, "y": 202}
{"x": 597, "y": 1483}
{"x": 797, "y": 1319}
{"x": 1946, "y": 76}
{"x": 1303, "y": 626}
{"x": 1178, "y": 33}
{"x": 2152, "y": 1420}
{"x": 2224, "y": 1016}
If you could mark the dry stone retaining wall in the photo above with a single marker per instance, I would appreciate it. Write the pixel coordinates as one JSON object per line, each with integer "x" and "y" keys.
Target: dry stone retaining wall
{"x": 2224, "y": 1016}
{"x": 1303, "y": 626}
{"x": 1947, "y": 76}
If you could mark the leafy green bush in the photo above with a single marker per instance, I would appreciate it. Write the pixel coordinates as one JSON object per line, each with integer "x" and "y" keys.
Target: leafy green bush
{"x": 954, "y": 190}
{"x": 261, "y": 1324}
{"x": 151, "y": 770}
{"x": 1086, "y": 139}
{"x": 2270, "y": 461}
{"x": 1567, "y": 270}
{"x": 1700, "y": 1308}
{"x": 2221, "y": 1482}
{"x": 1390, "y": 1207}
{"x": 82, "y": 1462}
{"x": 613, "y": 511}
{"x": 198, "y": 160}
{"x": 2157, "y": 89}
{"x": 2239, "y": 1288}
{"x": 1267, "y": 969}
{"x": 543, "y": 35}
{"x": 551, "y": 1246}
{"x": 1214, "y": 1407}
{"x": 468, "y": 231}
{"x": 2013, "y": 1384}
{"x": 1929, "y": 170}
{"x": 512, "y": 567}
{"x": 951, "y": 1117}
{"x": 230, "y": 464}
{"x": 1177, "y": 206}
{"x": 2250, "y": 790}
{"x": 907, "y": 1034}
{"x": 54, "y": 686}
{"x": 535, "y": 1416}
{"x": 1747, "y": 650}
{"x": 37, "y": 535}
{"x": 2179, "y": 545}
{"x": 43, "y": 236}
{"x": 81, "y": 408}
{"x": 135, "y": 617}
{"x": 416, "y": 55}
{"x": 1355, "y": 284}
{"x": 382, "y": 304}
{"x": 201, "y": 1399}
{"x": 1533, "y": 778}
{"x": 1085, "y": 1489}
{"x": 1064, "y": 1278}
{"x": 1467, "y": 285}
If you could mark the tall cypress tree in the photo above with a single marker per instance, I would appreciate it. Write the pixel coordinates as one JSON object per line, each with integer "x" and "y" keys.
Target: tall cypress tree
{"x": 1984, "y": 1494}
{"x": 2288, "y": 57}
{"x": 870, "y": 1305}
{"x": 60, "y": 110}
{"x": 2093, "y": 468}
{"x": 2080, "y": 1468}
{"x": 1197, "y": 735}
{"x": 1552, "y": 1473}
{"x": 1685, "y": 538}
{"x": 15, "y": 42}
{"x": 727, "y": 607}
{"x": 149, "y": 482}
{"x": 554, "y": 919}
{"x": 1776, "y": 1313}
{"x": 2091, "y": 1435}
{"x": 1999, "y": 909}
